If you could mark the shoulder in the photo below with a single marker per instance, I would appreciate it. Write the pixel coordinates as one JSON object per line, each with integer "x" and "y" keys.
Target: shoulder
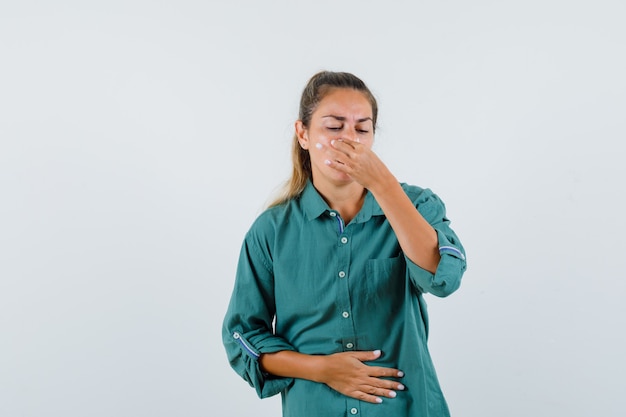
{"x": 272, "y": 220}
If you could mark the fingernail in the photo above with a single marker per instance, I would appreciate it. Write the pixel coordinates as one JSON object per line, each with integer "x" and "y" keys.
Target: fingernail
{"x": 400, "y": 374}
{"x": 377, "y": 352}
{"x": 379, "y": 400}
{"x": 400, "y": 387}
{"x": 392, "y": 394}
{"x": 318, "y": 145}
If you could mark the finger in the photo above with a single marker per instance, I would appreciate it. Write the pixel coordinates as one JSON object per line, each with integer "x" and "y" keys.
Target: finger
{"x": 339, "y": 165}
{"x": 345, "y": 146}
{"x": 386, "y": 387}
{"x": 333, "y": 154}
{"x": 384, "y": 392}
{"x": 367, "y": 355}
{"x": 370, "y": 398}
{"x": 376, "y": 394}
{"x": 379, "y": 371}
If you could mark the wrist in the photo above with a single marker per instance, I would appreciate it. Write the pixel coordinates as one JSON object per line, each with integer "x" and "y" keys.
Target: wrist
{"x": 385, "y": 185}
{"x": 316, "y": 367}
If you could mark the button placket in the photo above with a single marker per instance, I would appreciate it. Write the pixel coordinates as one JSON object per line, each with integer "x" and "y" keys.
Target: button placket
{"x": 344, "y": 313}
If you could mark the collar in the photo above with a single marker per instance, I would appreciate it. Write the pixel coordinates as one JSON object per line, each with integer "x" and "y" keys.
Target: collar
{"x": 314, "y": 205}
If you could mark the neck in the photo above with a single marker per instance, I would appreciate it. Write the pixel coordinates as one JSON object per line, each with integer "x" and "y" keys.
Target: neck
{"x": 346, "y": 199}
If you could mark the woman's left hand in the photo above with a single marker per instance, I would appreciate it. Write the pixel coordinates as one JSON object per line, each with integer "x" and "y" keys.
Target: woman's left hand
{"x": 359, "y": 162}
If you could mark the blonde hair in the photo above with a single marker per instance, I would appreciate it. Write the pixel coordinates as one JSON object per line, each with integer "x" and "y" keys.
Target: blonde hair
{"x": 316, "y": 89}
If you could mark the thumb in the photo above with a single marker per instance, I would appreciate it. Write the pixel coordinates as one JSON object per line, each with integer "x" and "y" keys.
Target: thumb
{"x": 367, "y": 355}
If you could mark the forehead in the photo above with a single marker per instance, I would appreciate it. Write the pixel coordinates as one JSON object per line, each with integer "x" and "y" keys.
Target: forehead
{"x": 344, "y": 102}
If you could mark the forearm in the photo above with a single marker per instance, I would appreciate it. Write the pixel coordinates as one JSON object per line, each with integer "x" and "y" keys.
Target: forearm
{"x": 344, "y": 372}
{"x": 416, "y": 236}
{"x": 291, "y": 364}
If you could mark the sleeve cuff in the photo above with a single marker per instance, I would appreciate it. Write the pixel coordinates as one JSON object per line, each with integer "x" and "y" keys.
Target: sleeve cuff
{"x": 246, "y": 363}
{"x": 447, "y": 277}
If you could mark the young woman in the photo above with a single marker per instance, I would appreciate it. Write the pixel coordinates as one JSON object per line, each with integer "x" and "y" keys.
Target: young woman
{"x": 327, "y": 307}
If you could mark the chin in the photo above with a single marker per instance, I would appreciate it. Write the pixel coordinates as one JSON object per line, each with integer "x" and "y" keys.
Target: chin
{"x": 342, "y": 179}
{"x": 335, "y": 177}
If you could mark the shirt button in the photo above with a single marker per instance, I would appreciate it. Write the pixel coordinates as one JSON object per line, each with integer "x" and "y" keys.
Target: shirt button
{"x": 344, "y": 240}
{"x": 333, "y": 214}
{"x": 345, "y": 314}
{"x": 349, "y": 346}
{"x": 353, "y": 411}
{"x": 342, "y": 274}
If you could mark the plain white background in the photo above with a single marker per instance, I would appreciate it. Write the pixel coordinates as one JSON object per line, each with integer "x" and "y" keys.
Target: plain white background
{"x": 139, "y": 140}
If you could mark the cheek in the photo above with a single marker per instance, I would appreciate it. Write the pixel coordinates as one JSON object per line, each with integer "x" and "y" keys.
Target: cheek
{"x": 320, "y": 137}
{"x": 324, "y": 137}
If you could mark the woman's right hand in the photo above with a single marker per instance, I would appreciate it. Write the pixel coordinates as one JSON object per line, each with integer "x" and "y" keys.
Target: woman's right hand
{"x": 346, "y": 373}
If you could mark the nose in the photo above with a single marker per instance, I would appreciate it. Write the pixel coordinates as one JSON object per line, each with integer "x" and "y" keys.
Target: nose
{"x": 350, "y": 133}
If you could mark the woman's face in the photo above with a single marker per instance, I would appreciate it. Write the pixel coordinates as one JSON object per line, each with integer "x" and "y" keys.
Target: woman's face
{"x": 344, "y": 113}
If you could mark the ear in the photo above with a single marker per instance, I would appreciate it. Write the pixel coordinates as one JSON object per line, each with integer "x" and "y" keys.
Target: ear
{"x": 302, "y": 134}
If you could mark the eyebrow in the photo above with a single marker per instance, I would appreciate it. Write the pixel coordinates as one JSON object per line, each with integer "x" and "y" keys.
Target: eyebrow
{"x": 343, "y": 119}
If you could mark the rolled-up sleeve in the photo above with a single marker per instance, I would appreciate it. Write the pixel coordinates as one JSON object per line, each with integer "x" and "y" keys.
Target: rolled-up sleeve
{"x": 452, "y": 265}
{"x": 247, "y": 330}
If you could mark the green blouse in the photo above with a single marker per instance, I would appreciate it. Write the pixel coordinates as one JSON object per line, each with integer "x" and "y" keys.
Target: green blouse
{"x": 309, "y": 283}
